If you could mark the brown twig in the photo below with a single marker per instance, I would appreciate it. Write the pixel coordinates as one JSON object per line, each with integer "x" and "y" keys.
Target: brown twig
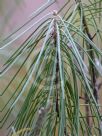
{"x": 92, "y": 68}
{"x": 39, "y": 123}
{"x": 57, "y": 71}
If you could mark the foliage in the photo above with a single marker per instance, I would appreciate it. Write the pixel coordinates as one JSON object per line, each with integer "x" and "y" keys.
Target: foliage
{"x": 62, "y": 75}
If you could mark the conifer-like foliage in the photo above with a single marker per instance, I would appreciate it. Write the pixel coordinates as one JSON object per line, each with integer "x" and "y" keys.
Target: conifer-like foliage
{"x": 59, "y": 88}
